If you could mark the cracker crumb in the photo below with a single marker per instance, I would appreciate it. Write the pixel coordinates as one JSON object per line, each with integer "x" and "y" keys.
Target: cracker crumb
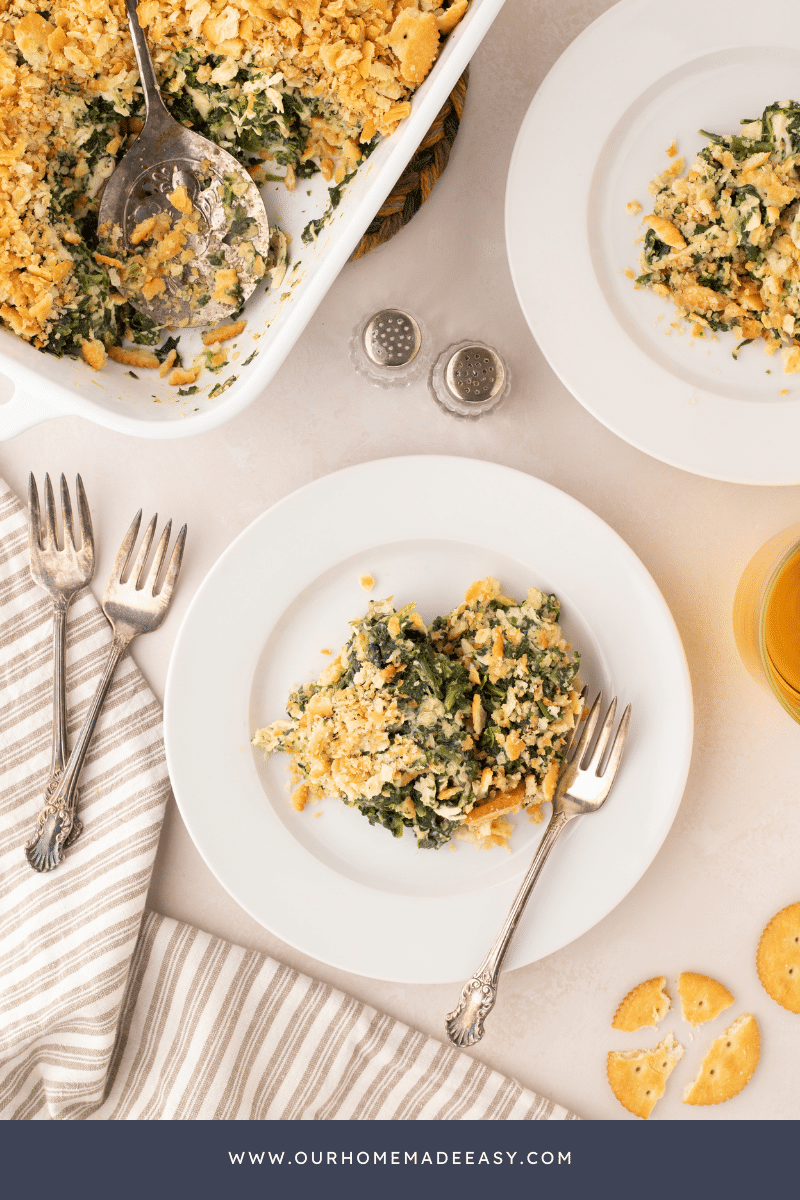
{"x": 110, "y": 262}
{"x": 153, "y": 288}
{"x": 180, "y": 376}
{"x": 94, "y": 352}
{"x": 223, "y": 333}
{"x": 449, "y": 18}
{"x": 134, "y": 357}
{"x": 225, "y": 282}
{"x": 167, "y": 363}
{"x": 142, "y": 231}
{"x": 367, "y": 582}
{"x": 179, "y": 198}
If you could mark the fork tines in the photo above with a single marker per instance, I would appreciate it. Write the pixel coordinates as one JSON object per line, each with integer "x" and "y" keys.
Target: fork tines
{"x": 139, "y": 573}
{"x": 589, "y": 760}
{"x": 50, "y": 531}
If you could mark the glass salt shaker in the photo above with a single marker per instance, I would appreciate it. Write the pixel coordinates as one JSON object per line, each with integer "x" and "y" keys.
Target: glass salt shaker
{"x": 469, "y": 380}
{"x": 390, "y": 348}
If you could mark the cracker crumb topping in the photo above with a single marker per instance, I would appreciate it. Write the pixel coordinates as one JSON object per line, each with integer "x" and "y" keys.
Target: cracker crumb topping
{"x": 302, "y": 82}
{"x": 446, "y": 730}
{"x": 724, "y": 240}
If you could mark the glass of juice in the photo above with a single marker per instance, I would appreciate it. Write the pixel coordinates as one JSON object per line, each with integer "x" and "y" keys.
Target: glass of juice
{"x": 766, "y": 617}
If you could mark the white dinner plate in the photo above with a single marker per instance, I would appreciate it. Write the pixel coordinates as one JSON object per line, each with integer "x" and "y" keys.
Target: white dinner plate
{"x": 594, "y": 136}
{"x": 325, "y": 880}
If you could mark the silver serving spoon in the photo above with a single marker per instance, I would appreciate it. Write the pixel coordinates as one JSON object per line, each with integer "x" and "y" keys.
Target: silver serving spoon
{"x": 225, "y": 231}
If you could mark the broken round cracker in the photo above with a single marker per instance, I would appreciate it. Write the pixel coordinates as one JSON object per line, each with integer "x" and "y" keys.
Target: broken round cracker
{"x": 778, "y": 958}
{"x": 414, "y": 38}
{"x": 702, "y": 998}
{"x": 451, "y": 16}
{"x": 638, "y": 1077}
{"x": 645, "y": 1004}
{"x": 728, "y": 1065}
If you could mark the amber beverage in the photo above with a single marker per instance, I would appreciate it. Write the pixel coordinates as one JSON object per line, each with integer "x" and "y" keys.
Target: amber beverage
{"x": 766, "y": 617}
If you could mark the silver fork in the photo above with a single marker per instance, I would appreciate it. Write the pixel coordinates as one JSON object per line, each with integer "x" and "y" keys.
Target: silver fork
{"x": 582, "y": 789}
{"x": 62, "y": 573}
{"x": 133, "y": 606}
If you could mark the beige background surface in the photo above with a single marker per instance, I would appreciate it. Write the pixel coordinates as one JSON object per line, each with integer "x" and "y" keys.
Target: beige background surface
{"x": 730, "y": 860}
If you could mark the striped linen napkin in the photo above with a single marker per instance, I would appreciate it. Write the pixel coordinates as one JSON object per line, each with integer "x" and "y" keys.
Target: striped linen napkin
{"x": 111, "y": 1012}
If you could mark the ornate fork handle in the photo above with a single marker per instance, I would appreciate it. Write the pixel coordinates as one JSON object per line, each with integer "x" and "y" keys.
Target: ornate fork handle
{"x": 59, "y": 757}
{"x": 56, "y": 824}
{"x": 465, "y": 1023}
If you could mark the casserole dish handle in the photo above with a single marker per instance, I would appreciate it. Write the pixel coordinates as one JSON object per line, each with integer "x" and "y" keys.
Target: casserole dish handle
{"x": 23, "y": 407}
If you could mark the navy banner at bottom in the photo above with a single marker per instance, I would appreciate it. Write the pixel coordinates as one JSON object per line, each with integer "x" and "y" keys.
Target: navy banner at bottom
{"x": 558, "y": 1160}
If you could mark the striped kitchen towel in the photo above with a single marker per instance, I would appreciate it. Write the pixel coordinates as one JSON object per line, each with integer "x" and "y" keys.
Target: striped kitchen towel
{"x": 110, "y": 1012}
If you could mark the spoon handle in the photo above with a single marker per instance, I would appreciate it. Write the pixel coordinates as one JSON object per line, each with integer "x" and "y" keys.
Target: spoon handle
{"x": 154, "y": 105}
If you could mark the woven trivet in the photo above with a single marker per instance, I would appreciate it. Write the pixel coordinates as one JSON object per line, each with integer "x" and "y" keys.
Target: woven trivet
{"x": 420, "y": 176}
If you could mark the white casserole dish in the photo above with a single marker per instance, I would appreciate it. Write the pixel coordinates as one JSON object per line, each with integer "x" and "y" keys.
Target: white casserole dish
{"x": 43, "y": 387}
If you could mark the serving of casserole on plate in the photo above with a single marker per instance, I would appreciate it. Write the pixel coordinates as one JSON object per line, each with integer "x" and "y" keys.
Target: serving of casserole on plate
{"x": 690, "y": 401}
{"x": 309, "y": 94}
{"x": 443, "y": 730}
{"x": 325, "y": 879}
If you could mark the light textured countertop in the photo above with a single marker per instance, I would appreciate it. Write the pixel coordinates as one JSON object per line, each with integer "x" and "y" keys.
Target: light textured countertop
{"x": 730, "y": 859}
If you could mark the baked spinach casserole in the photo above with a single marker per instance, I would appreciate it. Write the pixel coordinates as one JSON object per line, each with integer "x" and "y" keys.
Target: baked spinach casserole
{"x": 289, "y": 87}
{"x": 445, "y": 730}
{"x": 723, "y": 240}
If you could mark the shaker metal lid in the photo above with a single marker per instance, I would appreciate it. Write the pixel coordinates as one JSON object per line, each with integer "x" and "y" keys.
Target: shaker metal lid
{"x": 391, "y": 338}
{"x": 469, "y": 380}
{"x": 474, "y": 374}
